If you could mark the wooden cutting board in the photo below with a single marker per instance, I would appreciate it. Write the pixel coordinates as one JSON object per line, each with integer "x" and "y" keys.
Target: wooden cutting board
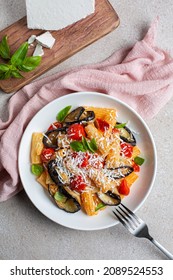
{"x": 69, "y": 41}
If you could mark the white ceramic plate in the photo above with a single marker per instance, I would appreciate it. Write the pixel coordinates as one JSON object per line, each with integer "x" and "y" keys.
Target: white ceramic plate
{"x": 139, "y": 190}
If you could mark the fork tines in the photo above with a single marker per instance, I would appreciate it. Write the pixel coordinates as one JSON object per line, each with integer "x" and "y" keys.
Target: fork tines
{"x": 126, "y": 217}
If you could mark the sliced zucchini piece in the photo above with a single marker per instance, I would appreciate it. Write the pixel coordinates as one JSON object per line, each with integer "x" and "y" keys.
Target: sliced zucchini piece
{"x": 50, "y": 139}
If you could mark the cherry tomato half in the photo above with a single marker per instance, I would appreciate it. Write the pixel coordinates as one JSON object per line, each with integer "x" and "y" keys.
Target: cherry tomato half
{"x": 102, "y": 125}
{"x": 77, "y": 183}
{"x": 124, "y": 188}
{"x": 55, "y": 125}
{"x": 136, "y": 167}
{"x": 76, "y": 131}
{"x": 126, "y": 149}
{"x": 83, "y": 159}
{"x": 115, "y": 130}
{"x": 46, "y": 154}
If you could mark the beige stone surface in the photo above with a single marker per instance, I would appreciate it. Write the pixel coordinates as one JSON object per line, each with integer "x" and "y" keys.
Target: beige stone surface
{"x": 25, "y": 233}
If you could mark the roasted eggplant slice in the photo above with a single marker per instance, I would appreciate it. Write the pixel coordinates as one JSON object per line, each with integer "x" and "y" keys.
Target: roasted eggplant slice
{"x": 50, "y": 139}
{"x": 73, "y": 194}
{"x": 66, "y": 203}
{"x": 109, "y": 198}
{"x": 74, "y": 116}
{"x": 79, "y": 115}
{"x": 87, "y": 116}
{"x": 127, "y": 136}
{"x": 69, "y": 205}
{"x": 58, "y": 172}
{"x": 119, "y": 172}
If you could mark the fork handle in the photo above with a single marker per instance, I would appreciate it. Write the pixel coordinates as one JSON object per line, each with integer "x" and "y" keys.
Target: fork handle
{"x": 161, "y": 248}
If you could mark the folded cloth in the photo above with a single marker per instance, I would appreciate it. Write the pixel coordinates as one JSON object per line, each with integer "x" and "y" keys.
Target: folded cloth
{"x": 141, "y": 76}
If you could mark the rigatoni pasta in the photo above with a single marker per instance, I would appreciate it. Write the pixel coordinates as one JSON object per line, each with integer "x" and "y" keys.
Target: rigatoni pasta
{"x": 86, "y": 159}
{"x": 36, "y": 147}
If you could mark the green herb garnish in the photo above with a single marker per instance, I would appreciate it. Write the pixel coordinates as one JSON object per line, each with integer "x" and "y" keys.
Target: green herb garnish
{"x": 19, "y": 55}
{"x": 120, "y": 125}
{"x": 85, "y": 143}
{"x": 17, "y": 62}
{"x": 4, "y": 48}
{"x": 60, "y": 197}
{"x": 84, "y": 146}
{"x": 139, "y": 160}
{"x": 99, "y": 206}
{"x": 92, "y": 145}
{"x": 29, "y": 63}
{"x": 63, "y": 113}
{"x": 77, "y": 146}
{"x": 37, "y": 169}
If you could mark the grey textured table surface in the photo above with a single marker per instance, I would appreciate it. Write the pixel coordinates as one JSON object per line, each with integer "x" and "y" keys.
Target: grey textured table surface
{"x": 25, "y": 233}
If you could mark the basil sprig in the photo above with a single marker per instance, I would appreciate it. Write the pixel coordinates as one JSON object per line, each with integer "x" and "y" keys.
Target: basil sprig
{"x": 17, "y": 62}
{"x": 84, "y": 145}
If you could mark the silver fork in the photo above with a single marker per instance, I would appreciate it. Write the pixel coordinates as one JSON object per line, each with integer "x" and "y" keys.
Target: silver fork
{"x": 136, "y": 226}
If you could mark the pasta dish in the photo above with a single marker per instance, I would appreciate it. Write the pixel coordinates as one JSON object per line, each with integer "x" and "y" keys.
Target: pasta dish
{"x": 86, "y": 160}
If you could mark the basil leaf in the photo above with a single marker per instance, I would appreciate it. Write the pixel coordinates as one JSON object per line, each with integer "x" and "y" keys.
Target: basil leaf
{"x": 85, "y": 143}
{"x": 139, "y": 160}
{"x": 77, "y": 146}
{"x": 60, "y": 197}
{"x": 5, "y": 72}
{"x": 2, "y": 76}
{"x": 16, "y": 74}
{"x": 4, "y": 48}
{"x": 4, "y": 67}
{"x": 7, "y": 75}
{"x": 30, "y": 63}
{"x": 19, "y": 55}
{"x": 12, "y": 67}
{"x": 120, "y": 125}
{"x": 63, "y": 113}
{"x": 92, "y": 145}
{"x": 99, "y": 206}
{"x": 36, "y": 169}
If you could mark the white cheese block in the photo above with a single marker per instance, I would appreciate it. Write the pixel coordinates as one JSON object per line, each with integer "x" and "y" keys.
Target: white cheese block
{"x": 46, "y": 40}
{"x": 57, "y": 14}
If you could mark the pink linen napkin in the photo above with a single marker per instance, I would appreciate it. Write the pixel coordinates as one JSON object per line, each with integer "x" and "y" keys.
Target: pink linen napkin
{"x": 141, "y": 77}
